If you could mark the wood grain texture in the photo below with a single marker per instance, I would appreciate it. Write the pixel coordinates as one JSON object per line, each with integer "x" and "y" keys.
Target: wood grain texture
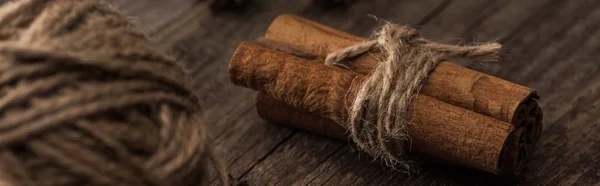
{"x": 551, "y": 45}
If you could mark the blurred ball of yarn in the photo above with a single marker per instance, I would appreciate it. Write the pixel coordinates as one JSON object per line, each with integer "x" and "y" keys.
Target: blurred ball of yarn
{"x": 86, "y": 100}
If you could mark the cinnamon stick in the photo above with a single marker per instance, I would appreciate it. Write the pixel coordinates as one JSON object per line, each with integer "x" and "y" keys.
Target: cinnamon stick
{"x": 449, "y": 83}
{"x": 511, "y": 161}
{"x": 439, "y": 130}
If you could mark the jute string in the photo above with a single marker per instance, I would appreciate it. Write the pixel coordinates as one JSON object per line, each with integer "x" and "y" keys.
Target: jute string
{"x": 86, "y": 100}
{"x": 380, "y": 114}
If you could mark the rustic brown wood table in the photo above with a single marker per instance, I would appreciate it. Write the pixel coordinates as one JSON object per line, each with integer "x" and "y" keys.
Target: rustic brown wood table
{"x": 551, "y": 45}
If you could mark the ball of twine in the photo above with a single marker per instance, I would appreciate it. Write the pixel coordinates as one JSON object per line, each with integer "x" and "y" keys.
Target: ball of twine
{"x": 85, "y": 100}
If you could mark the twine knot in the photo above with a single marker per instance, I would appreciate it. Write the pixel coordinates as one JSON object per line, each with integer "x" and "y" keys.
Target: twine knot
{"x": 380, "y": 114}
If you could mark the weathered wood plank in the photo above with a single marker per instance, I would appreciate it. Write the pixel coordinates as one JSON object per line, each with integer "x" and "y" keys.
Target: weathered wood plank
{"x": 586, "y": 164}
{"x": 340, "y": 173}
{"x": 306, "y": 154}
{"x": 547, "y": 37}
{"x": 556, "y": 54}
{"x": 555, "y": 51}
{"x": 591, "y": 174}
{"x": 245, "y": 147}
{"x": 151, "y": 15}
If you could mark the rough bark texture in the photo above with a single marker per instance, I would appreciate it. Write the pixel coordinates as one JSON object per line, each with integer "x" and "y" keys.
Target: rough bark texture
{"x": 450, "y": 83}
{"x": 439, "y": 130}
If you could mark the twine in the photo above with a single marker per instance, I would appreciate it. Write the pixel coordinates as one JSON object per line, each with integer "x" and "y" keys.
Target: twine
{"x": 380, "y": 114}
{"x": 86, "y": 100}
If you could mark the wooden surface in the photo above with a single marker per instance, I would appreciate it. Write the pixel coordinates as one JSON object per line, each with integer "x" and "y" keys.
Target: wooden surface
{"x": 551, "y": 45}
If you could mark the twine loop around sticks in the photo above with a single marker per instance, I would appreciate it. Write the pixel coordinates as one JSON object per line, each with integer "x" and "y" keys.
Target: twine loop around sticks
{"x": 86, "y": 100}
{"x": 380, "y": 114}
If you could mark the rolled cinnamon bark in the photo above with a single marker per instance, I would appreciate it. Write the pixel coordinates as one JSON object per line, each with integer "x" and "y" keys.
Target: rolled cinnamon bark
{"x": 439, "y": 131}
{"x": 449, "y": 83}
{"x": 511, "y": 161}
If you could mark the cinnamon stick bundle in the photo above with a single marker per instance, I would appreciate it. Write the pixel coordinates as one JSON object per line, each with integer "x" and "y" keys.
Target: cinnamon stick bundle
{"x": 440, "y": 131}
{"x": 449, "y": 82}
{"x": 460, "y": 116}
